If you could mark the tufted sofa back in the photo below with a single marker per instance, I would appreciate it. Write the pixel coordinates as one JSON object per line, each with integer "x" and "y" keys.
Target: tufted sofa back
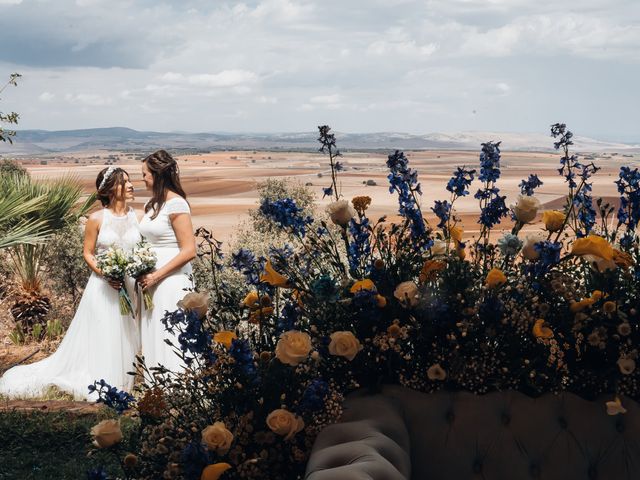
{"x": 402, "y": 434}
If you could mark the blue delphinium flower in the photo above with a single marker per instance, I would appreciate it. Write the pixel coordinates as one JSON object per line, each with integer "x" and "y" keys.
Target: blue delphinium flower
{"x": 509, "y": 244}
{"x": 527, "y": 187}
{"x": 119, "y": 400}
{"x": 241, "y": 351}
{"x": 288, "y": 318}
{"x": 314, "y": 396}
{"x": 359, "y": 247}
{"x": 327, "y": 191}
{"x": 442, "y": 209}
{"x": 245, "y": 261}
{"x": 193, "y": 338}
{"x": 459, "y": 183}
{"x": 492, "y": 204}
{"x": 194, "y": 458}
{"x": 549, "y": 256}
{"x": 286, "y": 214}
{"x": 628, "y": 214}
{"x": 404, "y": 181}
{"x": 98, "y": 473}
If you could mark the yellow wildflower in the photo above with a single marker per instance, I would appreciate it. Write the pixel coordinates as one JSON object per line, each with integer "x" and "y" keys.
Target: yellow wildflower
{"x": 540, "y": 331}
{"x": 225, "y": 337}
{"x": 593, "y": 245}
{"x": 213, "y": 472}
{"x": 272, "y": 277}
{"x": 495, "y": 278}
{"x": 365, "y": 284}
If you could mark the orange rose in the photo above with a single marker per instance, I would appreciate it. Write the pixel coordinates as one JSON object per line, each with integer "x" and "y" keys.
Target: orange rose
{"x": 495, "y": 278}
{"x": 593, "y": 245}
{"x": 365, "y": 284}
{"x": 540, "y": 331}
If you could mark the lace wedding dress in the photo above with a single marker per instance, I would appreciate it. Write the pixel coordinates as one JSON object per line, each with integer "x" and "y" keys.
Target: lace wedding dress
{"x": 160, "y": 235}
{"x": 99, "y": 344}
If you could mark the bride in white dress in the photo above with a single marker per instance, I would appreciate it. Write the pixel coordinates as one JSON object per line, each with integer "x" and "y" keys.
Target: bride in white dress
{"x": 100, "y": 343}
{"x": 167, "y": 227}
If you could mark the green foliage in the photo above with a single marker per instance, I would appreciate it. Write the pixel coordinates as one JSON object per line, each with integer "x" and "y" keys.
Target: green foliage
{"x": 53, "y": 445}
{"x": 63, "y": 263}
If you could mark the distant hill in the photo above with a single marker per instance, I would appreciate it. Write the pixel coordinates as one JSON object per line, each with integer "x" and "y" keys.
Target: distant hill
{"x": 38, "y": 142}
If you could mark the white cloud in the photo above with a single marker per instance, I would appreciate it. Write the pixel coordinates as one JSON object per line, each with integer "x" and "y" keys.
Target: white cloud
{"x": 46, "y": 97}
{"x": 89, "y": 99}
{"x": 226, "y": 78}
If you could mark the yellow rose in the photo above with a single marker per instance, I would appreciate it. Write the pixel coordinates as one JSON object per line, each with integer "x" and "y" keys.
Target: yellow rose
{"x": 283, "y": 422}
{"x": 553, "y": 220}
{"x": 217, "y": 438}
{"x": 540, "y": 331}
{"x": 615, "y": 407}
{"x": 365, "y": 284}
{"x": 526, "y": 208}
{"x": 456, "y": 233}
{"x": 340, "y": 212}
{"x": 593, "y": 245}
{"x": 622, "y": 259}
{"x": 344, "y": 344}
{"x": 225, "y": 337}
{"x": 251, "y": 299}
{"x": 293, "y": 347}
{"x": 495, "y": 278}
{"x": 430, "y": 269}
{"x": 213, "y": 472}
{"x": 272, "y": 277}
{"x": 106, "y": 433}
{"x": 195, "y": 302}
{"x": 407, "y": 294}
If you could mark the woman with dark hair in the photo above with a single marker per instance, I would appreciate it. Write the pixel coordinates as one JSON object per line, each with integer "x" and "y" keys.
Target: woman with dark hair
{"x": 100, "y": 343}
{"x": 167, "y": 227}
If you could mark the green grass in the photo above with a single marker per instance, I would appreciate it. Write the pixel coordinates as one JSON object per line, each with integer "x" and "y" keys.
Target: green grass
{"x": 54, "y": 445}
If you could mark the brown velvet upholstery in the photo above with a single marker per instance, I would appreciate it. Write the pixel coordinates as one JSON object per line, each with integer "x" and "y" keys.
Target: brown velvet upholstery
{"x": 401, "y": 434}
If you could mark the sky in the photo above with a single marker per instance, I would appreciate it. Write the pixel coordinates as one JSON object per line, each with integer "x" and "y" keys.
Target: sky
{"x": 357, "y": 65}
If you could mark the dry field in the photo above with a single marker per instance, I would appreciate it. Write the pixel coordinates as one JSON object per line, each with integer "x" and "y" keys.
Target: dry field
{"x": 222, "y": 185}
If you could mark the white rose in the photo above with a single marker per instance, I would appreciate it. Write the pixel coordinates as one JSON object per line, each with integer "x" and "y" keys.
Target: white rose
{"x": 600, "y": 264}
{"x": 526, "y": 209}
{"x": 407, "y": 294}
{"x": 283, "y": 422}
{"x": 528, "y": 250}
{"x": 439, "y": 247}
{"x": 195, "y": 302}
{"x": 293, "y": 347}
{"x": 340, "y": 212}
{"x": 217, "y": 438}
{"x": 344, "y": 344}
{"x": 106, "y": 433}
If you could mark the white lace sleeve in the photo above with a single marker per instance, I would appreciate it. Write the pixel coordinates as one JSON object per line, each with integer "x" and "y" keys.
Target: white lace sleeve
{"x": 177, "y": 205}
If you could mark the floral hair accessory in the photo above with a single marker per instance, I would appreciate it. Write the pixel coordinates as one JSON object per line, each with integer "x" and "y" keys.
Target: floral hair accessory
{"x": 107, "y": 174}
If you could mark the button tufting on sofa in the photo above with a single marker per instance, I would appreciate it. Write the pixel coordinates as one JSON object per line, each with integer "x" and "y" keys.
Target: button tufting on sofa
{"x": 399, "y": 434}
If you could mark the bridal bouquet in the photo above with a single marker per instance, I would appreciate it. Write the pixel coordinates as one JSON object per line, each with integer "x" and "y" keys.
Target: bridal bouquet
{"x": 113, "y": 264}
{"x": 142, "y": 260}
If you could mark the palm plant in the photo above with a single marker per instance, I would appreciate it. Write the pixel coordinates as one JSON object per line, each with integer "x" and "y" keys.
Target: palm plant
{"x": 33, "y": 212}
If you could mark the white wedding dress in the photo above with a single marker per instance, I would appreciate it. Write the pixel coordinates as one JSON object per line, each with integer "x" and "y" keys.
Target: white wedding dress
{"x": 166, "y": 294}
{"x": 99, "y": 344}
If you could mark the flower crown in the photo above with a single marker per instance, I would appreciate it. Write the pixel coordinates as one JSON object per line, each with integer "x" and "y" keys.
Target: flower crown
{"x": 107, "y": 174}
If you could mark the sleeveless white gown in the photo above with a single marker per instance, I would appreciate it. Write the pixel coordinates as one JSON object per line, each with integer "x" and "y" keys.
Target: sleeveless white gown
{"x": 99, "y": 344}
{"x": 166, "y": 294}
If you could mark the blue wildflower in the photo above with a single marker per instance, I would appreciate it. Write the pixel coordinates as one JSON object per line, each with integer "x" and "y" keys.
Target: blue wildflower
{"x": 243, "y": 354}
{"x": 119, "y": 400}
{"x": 628, "y": 214}
{"x": 460, "y": 182}
{"x": 442, "y": 209}
{"x": 98, "y": 473}
{"x": 549, "y": 256}
{"x": 286, "y": 214}
{"x": 288, "y": 318}
{"x": 359, "y": 247}
{"x": 509, "y": 244}
{"x": 327, "y": 192}
{"x": 490, "y": 162}
{"x": 493, "y": 211}
{"x": 194, "y": 458}
{"x": 314, "y": 395}
{"x": 528, "y": 186}
{"x": 245, "y": 261}
{"x": 193, "y": 338}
